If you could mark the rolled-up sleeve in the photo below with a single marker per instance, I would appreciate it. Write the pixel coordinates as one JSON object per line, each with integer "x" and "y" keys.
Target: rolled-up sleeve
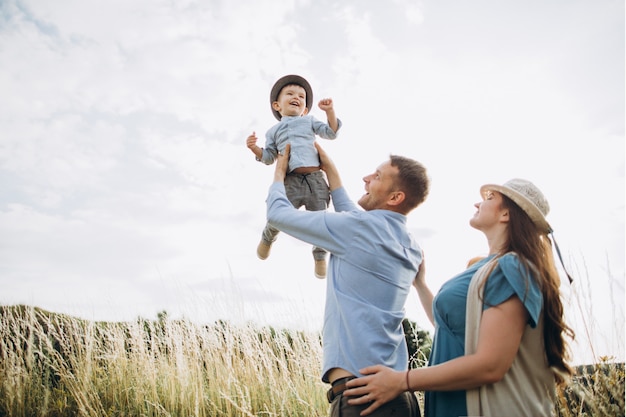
{"x": 341, "y": 201}
{"x": 323, "y": 130}
{"x": 271, "y": 148}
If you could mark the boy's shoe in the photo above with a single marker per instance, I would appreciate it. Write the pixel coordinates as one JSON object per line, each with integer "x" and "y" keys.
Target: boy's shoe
{"x": 320, "y": 268}
{"x": 263, "y": 250}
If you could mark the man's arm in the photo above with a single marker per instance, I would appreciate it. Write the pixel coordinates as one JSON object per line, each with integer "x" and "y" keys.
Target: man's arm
{"x": 313, "y": 227}
{"x": 328, "y": 166}
{"x": 282, "y": 164}
{"x": 340, "y": 198}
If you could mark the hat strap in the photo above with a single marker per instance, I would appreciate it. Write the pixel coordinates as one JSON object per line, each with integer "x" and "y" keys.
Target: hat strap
{"x": 558, "y": 252}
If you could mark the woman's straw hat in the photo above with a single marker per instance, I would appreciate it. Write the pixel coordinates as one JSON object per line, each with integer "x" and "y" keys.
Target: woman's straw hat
{"x": 526, "y": 195}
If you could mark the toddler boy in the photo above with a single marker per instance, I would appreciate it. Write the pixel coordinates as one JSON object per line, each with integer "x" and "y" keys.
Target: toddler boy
{"x": 291, "y": 99}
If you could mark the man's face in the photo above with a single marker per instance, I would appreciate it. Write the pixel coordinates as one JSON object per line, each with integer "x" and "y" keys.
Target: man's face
{"x": 378, "y": 187}
{"x": 291, "y": 101}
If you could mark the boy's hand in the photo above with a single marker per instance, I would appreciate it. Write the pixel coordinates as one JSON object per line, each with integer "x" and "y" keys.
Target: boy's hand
{"x": 326, "y": 104}
{"x": 282, "y": 164}
{"x": 251, "y": 144}
{"x": 251, "y": 141}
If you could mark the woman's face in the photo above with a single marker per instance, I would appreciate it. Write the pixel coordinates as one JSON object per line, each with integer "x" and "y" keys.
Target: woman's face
{"x": 489, "y": 212}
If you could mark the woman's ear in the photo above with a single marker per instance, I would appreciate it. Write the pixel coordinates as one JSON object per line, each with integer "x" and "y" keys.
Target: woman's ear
{"x": 504, "y": 216}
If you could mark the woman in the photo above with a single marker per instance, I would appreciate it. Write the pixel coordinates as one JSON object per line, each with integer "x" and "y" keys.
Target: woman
{"x": 499, "y": 346}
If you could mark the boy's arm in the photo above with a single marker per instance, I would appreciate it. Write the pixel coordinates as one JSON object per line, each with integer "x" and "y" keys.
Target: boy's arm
{"x": 326, "y": 104}
{"x": 251, "y": 144}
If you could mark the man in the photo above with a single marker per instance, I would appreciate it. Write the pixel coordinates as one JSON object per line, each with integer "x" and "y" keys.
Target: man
{"x": 372, "y": 265}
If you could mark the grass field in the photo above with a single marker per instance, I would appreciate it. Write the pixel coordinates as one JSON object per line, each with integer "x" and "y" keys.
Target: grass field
{"x": 56, "y": 365}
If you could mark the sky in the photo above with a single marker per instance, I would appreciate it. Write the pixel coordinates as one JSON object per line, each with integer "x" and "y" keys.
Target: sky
{"x": 127, "y": 188}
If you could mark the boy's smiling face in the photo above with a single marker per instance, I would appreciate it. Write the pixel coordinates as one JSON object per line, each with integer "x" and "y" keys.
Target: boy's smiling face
{"x": 291, "y": 101}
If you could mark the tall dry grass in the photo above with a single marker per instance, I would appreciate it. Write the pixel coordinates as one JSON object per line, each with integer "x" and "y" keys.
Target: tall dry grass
{"x": 54, "y": 365}
{"x": 597, "y": 388}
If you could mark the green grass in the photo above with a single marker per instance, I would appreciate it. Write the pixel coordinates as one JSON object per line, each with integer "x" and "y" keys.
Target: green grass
{"x": 56, "y": 365}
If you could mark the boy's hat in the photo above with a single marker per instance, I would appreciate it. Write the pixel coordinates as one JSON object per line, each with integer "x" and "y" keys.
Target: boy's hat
{"x": 526, "y": 195}
{"x": 288, "y": 80}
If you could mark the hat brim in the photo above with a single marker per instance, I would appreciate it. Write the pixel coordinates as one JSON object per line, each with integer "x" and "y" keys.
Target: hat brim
{"x": 289, "y": 80}
{"x": 525, "y": 204}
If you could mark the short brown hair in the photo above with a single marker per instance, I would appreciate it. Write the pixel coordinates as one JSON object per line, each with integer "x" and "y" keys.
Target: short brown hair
{"x": 412, "y": 180}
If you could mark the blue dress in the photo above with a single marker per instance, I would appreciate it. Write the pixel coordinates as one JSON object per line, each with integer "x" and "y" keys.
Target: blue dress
{"x": 507, "y": 279}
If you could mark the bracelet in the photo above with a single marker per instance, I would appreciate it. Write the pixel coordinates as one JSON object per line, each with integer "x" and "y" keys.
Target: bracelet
{"x": 408, "y": 387}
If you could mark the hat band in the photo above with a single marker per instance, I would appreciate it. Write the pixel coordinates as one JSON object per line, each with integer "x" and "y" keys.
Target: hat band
{"x": 558, "y": 252}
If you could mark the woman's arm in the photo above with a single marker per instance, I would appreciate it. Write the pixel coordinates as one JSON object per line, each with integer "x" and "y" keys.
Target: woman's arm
{"x": 501, "y": 330}
{"x": 424, "y": 293}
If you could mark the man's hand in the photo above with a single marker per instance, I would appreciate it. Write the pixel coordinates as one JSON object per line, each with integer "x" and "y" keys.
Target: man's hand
{"x": 325, "y": 162}
{"x": 328, "y": 166}
{"x": 282, "y": 164}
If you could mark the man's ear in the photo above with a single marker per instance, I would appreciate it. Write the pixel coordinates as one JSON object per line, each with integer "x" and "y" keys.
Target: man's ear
{"x": 306, "y": 111}
{"x": 396, "y": 198}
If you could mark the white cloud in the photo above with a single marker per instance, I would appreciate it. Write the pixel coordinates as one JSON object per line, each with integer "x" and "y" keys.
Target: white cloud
{"x": 128, "y": 188}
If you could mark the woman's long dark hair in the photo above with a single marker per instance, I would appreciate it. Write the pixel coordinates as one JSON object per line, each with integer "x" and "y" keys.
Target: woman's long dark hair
{"x": 535, "y": 249}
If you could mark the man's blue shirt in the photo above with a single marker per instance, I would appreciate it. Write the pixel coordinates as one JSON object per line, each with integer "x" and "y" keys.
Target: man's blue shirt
{"x": 373, "y": 262}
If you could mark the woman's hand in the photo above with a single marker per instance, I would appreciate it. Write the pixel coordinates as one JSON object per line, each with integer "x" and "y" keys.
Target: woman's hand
{"x": 380, "y": 385}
